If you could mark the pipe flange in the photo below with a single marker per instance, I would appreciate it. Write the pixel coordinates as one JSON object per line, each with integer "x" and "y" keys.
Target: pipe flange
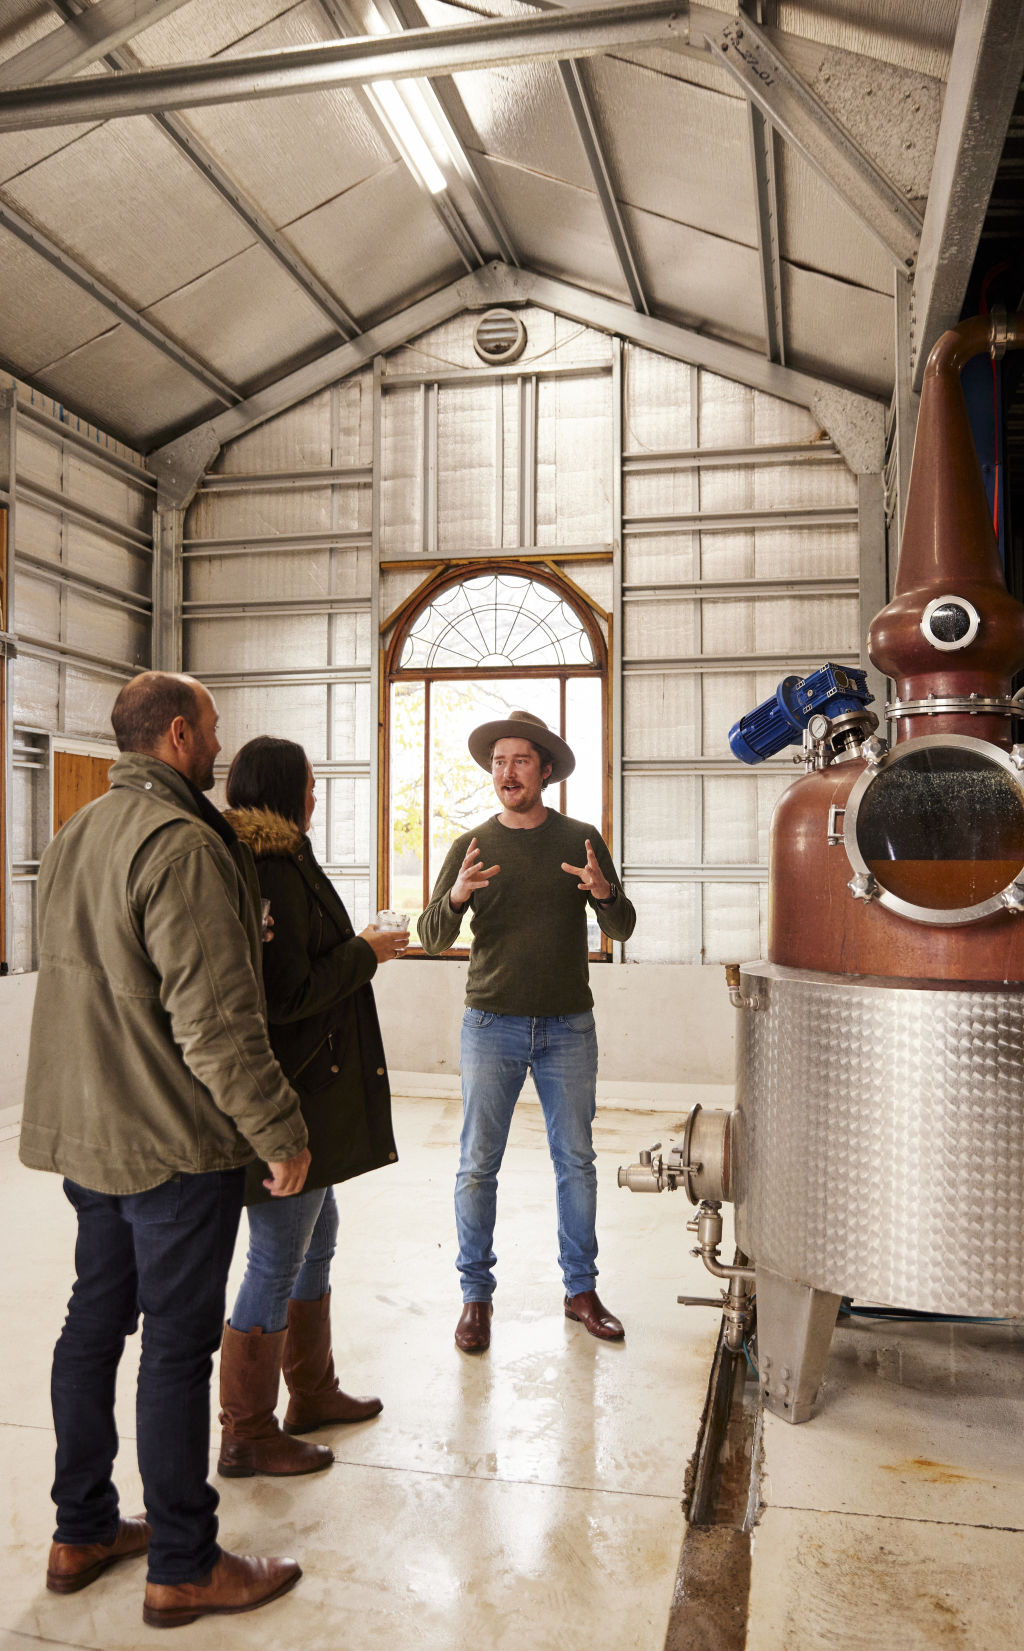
{"x": 953, "y": 705}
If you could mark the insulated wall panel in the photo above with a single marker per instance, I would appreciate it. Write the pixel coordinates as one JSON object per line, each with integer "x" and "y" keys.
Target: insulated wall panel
{"x": 662, "y": 819}
{"x": 469, "y": 465}
{"x": 574, "y": 448}
{"x": 345, "y": 801}
{"x": 267, "y": 576}
{"x": 732, "y": 922}
{"x": 401, "y": 480}
{"x": 668, "y": 923}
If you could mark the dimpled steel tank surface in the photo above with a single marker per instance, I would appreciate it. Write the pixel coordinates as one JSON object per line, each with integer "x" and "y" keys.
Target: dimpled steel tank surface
{"x": 878, "y": 1137}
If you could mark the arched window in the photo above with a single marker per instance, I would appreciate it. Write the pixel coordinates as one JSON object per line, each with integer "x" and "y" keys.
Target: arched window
{"x": 471, "y": 648}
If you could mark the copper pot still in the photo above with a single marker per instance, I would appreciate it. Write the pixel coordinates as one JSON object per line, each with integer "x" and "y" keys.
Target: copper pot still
{"x": 909, "y": 861}
{"x": 875, "y": 1153}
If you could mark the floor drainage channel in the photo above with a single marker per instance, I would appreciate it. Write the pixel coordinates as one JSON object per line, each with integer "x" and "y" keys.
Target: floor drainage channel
{"x": 709, "y": 1604}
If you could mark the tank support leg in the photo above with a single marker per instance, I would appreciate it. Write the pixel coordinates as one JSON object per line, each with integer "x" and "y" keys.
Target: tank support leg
{"x": 794, "y": 1329}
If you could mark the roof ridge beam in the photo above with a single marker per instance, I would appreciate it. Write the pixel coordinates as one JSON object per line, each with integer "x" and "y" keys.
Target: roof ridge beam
{"x": 417, "y": 52}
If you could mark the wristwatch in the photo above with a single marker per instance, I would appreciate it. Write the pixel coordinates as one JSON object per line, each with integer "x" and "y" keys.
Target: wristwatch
{"x": 613, "y": 895}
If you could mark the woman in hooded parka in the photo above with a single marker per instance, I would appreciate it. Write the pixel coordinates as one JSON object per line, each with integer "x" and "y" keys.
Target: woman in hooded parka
{"x": 324, "y": 1031}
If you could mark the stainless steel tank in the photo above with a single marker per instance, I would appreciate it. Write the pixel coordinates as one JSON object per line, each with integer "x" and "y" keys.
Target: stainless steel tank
{"x": 876, "y": 1149}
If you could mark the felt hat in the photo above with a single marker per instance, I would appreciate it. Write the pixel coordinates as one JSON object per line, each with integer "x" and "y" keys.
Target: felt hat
{"x": 522, "y": 725}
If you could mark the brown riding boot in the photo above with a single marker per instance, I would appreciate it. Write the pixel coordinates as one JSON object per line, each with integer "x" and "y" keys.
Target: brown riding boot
{"x": 251, "y": 1440}
{"x": 316, "y": 1398}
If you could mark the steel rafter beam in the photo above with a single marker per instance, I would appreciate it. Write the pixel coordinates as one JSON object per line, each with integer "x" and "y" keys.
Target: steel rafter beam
{"x": 440, "y": 100}
{"x": 100, "y": 29}
{"x": 855, "y": 421}
{"x": 407, "y": 56}
{"x": 105, "y": 295}
{"x": 762, "y": 155}
{"x": 586, "y": 125}
{"x": 455, "y": 226}
{"x": 985, "y": 71}
{"x": 185, "y": 139}
{"x": 788, "y": 103}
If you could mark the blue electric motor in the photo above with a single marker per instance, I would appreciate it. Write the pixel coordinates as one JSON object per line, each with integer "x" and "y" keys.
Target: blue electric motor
{"x": 781, "y": 720}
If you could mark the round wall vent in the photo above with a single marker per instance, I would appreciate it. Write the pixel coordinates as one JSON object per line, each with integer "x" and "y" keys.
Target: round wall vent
{"x": 499, "y": 336}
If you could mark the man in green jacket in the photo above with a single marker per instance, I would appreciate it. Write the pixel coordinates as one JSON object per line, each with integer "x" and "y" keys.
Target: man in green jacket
{"x": 151, "y": 1084}
{"x": 529, "y": 1007}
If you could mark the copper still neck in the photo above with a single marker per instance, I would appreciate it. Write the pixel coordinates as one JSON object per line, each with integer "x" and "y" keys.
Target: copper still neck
{"x": 949, "y": 551}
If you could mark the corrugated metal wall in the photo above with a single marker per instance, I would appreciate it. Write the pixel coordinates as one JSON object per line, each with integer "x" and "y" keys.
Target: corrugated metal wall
{"x": 81, "y": 608}
{"x": 717, "y": 525}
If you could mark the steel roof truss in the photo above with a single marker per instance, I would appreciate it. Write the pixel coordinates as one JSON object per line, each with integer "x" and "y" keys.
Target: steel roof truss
{"x": 186, "y": 140}
{"x": 84, "y": 39}
{"x": 408, "y": 56}
{"x": 792, "y": 108}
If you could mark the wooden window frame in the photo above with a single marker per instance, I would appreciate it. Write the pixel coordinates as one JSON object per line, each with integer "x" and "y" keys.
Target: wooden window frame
{"x": 403, "y": 621}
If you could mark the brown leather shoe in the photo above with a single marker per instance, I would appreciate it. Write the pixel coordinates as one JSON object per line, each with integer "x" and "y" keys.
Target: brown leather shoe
{"x": 251, "y": 1440}
{"x": 317, "y": 1398}
{"x": 588, "y": 1310}
{"x": 236, "y": 1583}
{"x": 73, "y": 1565}
{"x": 473, "y": 1331}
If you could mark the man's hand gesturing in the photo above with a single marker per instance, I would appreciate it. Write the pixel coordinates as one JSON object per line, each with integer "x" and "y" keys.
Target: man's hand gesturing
{"x": 472, "y": 876}
{"x": 592, "y": 879}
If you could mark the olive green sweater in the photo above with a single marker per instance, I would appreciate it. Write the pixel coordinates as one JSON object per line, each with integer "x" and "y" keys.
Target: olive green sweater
{"x": 529, "y": 925}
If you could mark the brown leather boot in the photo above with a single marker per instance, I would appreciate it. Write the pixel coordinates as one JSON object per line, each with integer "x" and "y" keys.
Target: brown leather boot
{"x": 236, "y": 1583}
{"x": 251, "y": 1440}
{"x": 73, "y": 1565}
{"x": 316, "y": 1398}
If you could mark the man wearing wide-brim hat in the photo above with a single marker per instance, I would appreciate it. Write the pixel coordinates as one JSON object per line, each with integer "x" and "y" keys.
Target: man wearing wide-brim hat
{"x": 529, "y": 875}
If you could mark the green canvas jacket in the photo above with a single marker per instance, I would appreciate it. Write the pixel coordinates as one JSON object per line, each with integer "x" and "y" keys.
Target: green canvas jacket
{"x": 149, "y": 1054}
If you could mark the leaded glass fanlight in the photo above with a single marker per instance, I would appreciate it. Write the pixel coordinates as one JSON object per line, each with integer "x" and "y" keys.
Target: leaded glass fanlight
{"x": 496, "y": 622}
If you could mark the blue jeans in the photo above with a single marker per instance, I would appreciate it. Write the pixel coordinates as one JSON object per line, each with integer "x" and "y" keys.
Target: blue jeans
{"x": 291, "y": 1246}
{"x": 497, "y": 1053}
{"x": 163, "y": 1254}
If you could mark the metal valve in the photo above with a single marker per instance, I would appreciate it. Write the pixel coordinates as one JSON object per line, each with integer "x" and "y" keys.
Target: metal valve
{"x": 863, "y": 886}
{"x": 1013, "y": 898}
{"x": 701, "y": 1163}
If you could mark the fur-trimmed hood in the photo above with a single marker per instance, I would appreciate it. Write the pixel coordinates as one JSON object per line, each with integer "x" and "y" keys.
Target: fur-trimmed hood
{"x": 265, "y": 832}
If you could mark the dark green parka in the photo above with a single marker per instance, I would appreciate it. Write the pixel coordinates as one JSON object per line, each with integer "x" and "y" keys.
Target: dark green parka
{"x": 323, "y": 1020}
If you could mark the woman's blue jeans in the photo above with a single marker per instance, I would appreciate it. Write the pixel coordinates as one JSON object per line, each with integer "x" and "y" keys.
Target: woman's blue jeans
{"x": 497, "y": 1053}
{"x": 291, "y": 1246}
{"x": 164, "y": 1254}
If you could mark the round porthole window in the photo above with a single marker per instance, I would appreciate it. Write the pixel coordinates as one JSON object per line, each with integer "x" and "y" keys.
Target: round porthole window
{"x": 499, "y": 336}
{"x": 950, "y": 622}
{"x": 935, "y": 829}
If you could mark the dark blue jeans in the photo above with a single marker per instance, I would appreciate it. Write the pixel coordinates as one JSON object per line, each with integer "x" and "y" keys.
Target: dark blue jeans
{"x": 163, "y": 1254}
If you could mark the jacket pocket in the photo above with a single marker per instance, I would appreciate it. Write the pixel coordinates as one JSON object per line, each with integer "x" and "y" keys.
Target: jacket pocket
{"x": 322, "y": 1066}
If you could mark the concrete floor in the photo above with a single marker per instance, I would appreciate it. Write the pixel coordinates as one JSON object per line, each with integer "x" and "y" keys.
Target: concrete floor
{"x": 527, "y": 1497}
{"x": 896, "y": 1516}
{"x": 531, "y": 1497}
